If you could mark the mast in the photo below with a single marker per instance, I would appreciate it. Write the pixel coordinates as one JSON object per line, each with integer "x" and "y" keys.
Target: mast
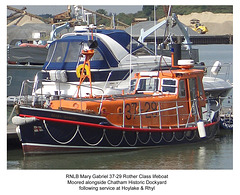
{"x": 83, "y": 71}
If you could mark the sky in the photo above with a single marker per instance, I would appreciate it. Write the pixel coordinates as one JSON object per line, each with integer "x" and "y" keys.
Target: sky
{"x": 56, "y": 9}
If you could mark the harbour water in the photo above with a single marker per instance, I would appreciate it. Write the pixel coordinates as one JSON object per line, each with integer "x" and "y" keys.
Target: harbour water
{"x": 215, "y": 154}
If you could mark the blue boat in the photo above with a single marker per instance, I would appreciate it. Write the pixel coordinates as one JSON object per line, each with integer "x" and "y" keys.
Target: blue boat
{"x": 116, "y": 57}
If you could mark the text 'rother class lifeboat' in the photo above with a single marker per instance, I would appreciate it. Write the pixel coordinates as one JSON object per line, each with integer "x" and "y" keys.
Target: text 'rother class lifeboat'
{"x": 162, "y": 108}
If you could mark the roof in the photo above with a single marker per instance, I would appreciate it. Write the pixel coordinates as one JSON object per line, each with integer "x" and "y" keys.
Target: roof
{"x": 111, "y": 51}
{"x": 25, "y": 31}
{"x": 25, "y": 19}
{"x": 169, "y": 73}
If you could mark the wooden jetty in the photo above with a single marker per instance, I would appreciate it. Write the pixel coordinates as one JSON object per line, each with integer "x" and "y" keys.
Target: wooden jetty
{"x": 12, "y": 137}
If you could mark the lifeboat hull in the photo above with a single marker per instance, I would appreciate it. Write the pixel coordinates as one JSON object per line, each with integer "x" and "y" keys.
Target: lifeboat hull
{"x": 57, "y": 131}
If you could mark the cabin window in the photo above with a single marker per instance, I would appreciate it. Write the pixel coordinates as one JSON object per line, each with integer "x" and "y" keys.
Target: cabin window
{"x": 182, "y": 89}
{"x": 193, "y": 88}
{"x": 200, "y": 86}
{"x": 142, "y": 52}
{"x": 148, "y": 84}
{"x": 135, "y": 45}
{"x": 50, "y": 52}
{"x": 97, "y": 55}
{"x": 193, "y": 93}
{"x": 132, "y": 85}
{"x": 169, "y": 86}
{"x": 73, "y": 52}
{"x": 59, "y": 52}
{"x": 138, "y": 49}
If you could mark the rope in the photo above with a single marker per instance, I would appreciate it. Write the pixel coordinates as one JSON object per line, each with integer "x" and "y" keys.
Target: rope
{"x": 179, "y": 139}
{"x": 44, "y": 122}
{"x": 149, "y": 137}
{"x": 90, "y": 143}
{"x": 113, "y": 144}
{"x": 168, "y": 140}
{"x": 154, "y": 140}
{"x": 128, "y": 142}
{"x": 192, "y": 137}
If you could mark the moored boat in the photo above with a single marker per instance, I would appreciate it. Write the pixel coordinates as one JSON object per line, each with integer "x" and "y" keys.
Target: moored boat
{"x": 162, "y": 108}
{"x": 111, "y": 62}
{"x": 226, "y": 118}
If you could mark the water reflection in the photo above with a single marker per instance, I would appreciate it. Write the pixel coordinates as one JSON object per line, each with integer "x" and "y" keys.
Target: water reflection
{"x": 215, "y": 154}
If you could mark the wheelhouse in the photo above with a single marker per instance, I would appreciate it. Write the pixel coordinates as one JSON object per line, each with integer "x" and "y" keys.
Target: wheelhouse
{"x": 178, "y": 83}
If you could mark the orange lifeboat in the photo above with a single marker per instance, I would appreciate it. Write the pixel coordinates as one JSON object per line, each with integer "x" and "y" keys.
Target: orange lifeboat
{"x": 161, "y": 108}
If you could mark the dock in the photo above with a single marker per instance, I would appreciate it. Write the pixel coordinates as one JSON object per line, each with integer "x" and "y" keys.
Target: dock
{"x": 12, "y": 137}
{"x": 200, "y": 39}
{"x": 212, "y": 39}
{"x": 177, "y": 34}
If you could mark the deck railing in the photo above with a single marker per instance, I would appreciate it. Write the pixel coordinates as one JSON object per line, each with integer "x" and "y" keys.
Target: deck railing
{"x": 32, "y": 94}
{"x": 224, "y": 72}
{"x": 173, "y": 113}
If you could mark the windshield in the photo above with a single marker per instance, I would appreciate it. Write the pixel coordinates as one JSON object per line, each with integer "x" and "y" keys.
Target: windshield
{"x": 71, "y": 50}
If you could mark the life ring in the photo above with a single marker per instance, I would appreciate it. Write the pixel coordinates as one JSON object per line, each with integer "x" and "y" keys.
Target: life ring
{"x": 79, "y": 70}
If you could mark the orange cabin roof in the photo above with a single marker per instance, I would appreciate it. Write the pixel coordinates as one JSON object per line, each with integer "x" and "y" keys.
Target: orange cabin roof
{"x": 176, "y": 73}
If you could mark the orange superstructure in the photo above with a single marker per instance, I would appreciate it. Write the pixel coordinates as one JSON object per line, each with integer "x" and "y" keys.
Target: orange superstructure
{"x": 156, "y": 100}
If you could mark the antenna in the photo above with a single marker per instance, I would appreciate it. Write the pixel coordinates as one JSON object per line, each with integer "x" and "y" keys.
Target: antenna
{"x": 155, "y": 32}
{"x": 161, "y": 48}
{"x": 130, "y": 73}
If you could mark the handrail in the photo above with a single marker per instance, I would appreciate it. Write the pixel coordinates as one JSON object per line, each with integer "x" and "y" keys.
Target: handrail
{"x": 35, "y": 90}
{"x": 224, "y": 73}
{"x": 41, "y": 98}
{"x": 157, "y": 111}
{"x": 193, "y": 116}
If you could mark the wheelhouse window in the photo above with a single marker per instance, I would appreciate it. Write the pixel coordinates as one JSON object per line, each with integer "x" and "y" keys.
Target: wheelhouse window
{"x": 193, "y": 88}
{"x": 200, "y": 87}
{"x": 133, "y": 85}
{"x": 182, "y": 89}
{"x": 169, "y": 86}
{"x": 148, "y": 84}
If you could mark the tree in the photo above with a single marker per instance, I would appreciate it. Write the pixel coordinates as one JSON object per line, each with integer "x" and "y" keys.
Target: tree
{"x": 102, "y": 11}
{"x": 101, "y": 20}
{"x": 147, "y": 9}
